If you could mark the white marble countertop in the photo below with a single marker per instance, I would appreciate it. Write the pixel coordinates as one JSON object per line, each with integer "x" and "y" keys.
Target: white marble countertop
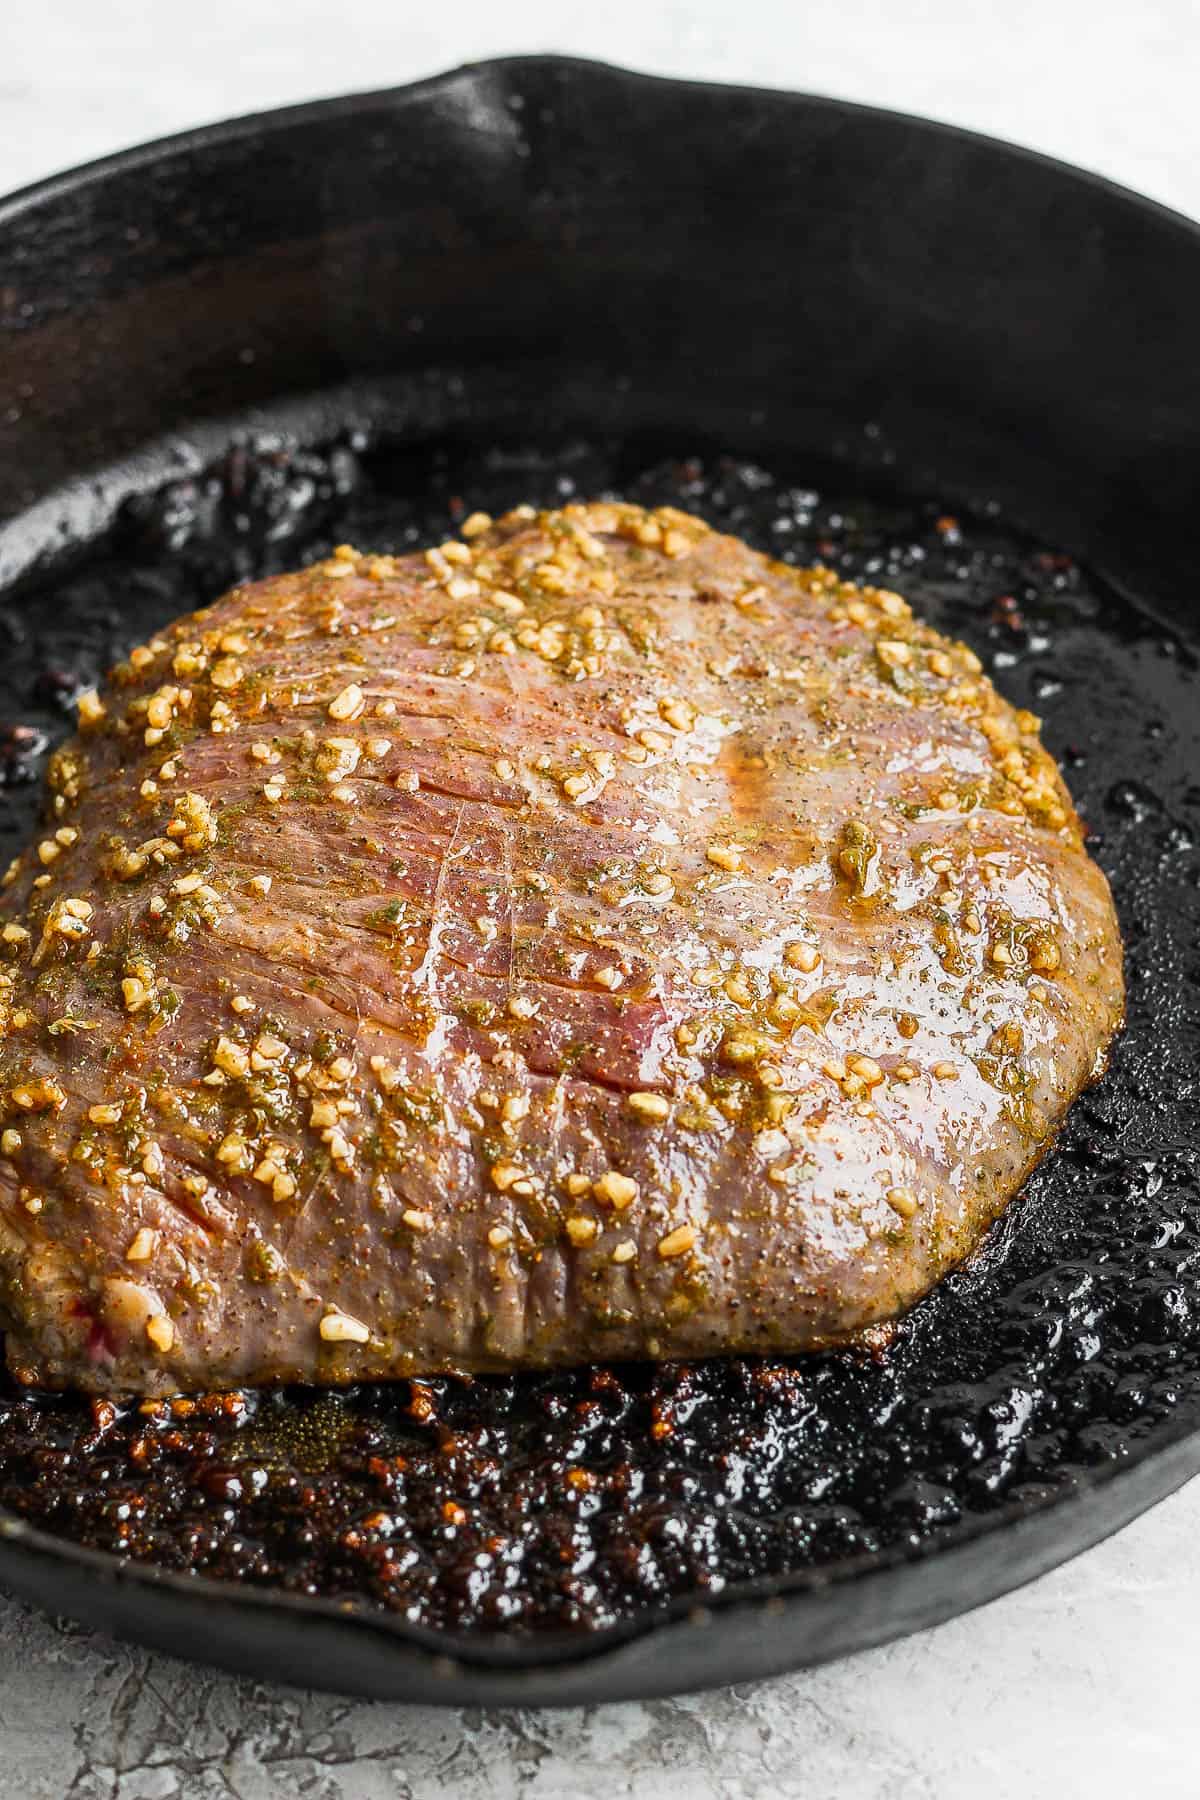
{"x": 1084, "y": 1683}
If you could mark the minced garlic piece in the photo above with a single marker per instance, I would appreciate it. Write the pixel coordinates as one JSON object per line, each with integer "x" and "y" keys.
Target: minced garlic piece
{"x": 339, "y": 1328}
{"x": 348, "y": 704}
{"x": 615, "y": 1190}
{"x": 650, "y": 1108}
{"x": 160, "y": 1331}
{"x": 90, "y": 709}
{"x": 677, "y": 1242}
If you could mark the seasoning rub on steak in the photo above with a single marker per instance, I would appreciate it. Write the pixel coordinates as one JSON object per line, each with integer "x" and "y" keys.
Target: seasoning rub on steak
{"x": 587, "y": 939}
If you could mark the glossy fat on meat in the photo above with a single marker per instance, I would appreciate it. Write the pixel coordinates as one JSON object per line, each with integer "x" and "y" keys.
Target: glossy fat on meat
{"x": 588, "y": 939}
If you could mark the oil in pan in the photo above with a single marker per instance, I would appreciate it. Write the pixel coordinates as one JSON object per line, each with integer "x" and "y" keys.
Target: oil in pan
{"x": 579, "y": 1500}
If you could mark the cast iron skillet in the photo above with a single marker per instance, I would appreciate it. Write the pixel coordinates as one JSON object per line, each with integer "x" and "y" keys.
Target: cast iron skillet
{"x": 534, "y": 273}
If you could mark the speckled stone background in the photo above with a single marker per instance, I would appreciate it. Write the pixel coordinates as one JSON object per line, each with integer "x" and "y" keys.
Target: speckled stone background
{"x": 1085, "y": 1683}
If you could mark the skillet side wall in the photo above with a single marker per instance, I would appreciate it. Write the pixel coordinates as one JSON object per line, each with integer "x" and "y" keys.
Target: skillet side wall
{"x": 588, "y": 248}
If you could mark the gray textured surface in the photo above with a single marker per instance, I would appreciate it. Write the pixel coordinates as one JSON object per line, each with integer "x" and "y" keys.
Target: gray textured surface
{"x": 1082, "y": 1684}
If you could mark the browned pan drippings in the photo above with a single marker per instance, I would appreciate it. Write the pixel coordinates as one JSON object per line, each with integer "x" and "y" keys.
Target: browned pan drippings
{"x": 597, "y": 1496}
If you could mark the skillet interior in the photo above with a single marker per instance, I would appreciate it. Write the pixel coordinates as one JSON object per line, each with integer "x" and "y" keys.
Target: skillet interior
{"x": 786, "y": 332}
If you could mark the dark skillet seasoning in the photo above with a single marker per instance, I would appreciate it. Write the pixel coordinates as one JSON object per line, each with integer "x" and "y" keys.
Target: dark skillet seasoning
{"x": 585, "y": 1498}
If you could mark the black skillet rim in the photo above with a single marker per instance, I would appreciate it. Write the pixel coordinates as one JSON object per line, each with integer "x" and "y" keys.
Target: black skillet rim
{"x": 334, "y": 106}
{"x": 545, "y": 1670}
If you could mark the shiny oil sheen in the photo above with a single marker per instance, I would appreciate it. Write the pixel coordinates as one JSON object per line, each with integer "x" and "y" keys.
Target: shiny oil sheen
{"x": 598, "y": 1498}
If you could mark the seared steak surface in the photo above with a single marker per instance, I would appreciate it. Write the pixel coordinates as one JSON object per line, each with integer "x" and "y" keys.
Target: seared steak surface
{"x": 589, "y": 939}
